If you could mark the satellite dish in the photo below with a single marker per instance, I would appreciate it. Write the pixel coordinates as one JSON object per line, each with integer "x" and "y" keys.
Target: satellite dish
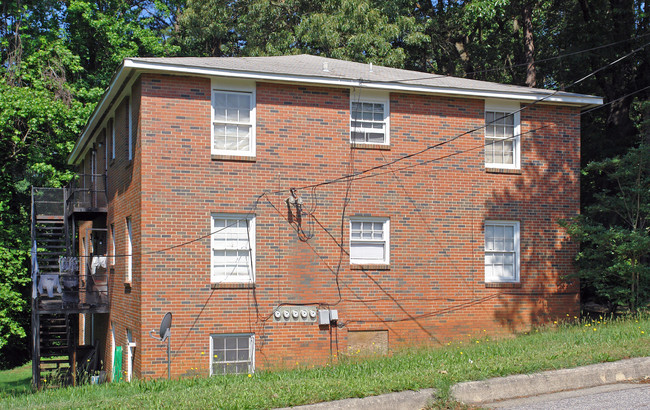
{"x": 165, "y": 326}
{"x": 165, "y": 333}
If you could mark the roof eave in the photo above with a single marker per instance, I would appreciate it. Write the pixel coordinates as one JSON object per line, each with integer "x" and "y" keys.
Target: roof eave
{"x": 585, "y": 101}
{"x": 111, "y": 92}
{"x": 130, "y": 66}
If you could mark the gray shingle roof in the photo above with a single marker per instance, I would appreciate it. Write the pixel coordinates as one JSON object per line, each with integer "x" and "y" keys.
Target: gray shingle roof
{"x": 328, "y": 68}
{"x": 319, "y": 70}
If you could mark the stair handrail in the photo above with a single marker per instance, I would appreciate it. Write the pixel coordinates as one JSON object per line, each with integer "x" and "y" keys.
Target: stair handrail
{"x": 92, "y": 188}
{"x": 36, "y": 379}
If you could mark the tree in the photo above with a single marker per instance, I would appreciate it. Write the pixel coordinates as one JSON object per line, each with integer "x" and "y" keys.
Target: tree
{"x": 590, "y": 25}
{"x": 103, "y": 33}
{"x": 206, "y": 29}
{"x": 39, "y": 121}
{"x": 614, "y": 231}
{"x": 354, "y": 30}
{"x": 357, "y": 31}
{"x": 57, "y": 57}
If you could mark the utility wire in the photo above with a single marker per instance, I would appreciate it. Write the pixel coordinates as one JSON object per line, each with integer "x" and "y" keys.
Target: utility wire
{"x": 471, "y": 131}
{"x": 484, "y": 144}
{"x": 360, "y": 174}
{"x": 432, "y": 76}
{"x": 354, "y": 177}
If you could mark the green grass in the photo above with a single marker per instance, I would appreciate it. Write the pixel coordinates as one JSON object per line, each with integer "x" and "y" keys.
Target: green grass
{"x": 16, "y": 382}
{"x": 554, "y": 347}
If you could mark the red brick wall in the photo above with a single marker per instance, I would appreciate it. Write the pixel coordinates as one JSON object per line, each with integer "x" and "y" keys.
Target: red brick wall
{"x": 437, "y": 203}
{"x": 124, "y": 193}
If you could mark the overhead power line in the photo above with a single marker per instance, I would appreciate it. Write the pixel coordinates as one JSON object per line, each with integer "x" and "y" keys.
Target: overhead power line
{"x": 433, "y": 76}
{"x": 359, "y": 174}
{"x": 471, "y": 131}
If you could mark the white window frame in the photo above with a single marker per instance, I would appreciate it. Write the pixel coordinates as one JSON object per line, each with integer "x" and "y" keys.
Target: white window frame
{"x": 84, "y": 253}
{"x": 509, "y": 107}
{"x": 130, "y": 122}
{"x": 371, "y": 97}
{"x": 112, "y": 123}
{"x": 234, "y": 86}
{"x": 385, "y": 241}
{"x": 113, "y": 344}
{"x": 104, "y": 144}
{"x": 130, "y": 354}
{"x": 251, "y": 352}
{"x": 229, "y": 278}
{"x": 113, "y": 251}
{"x": 129, "y": 250}
{"x": 489, "y": 277}
{"x": 82, "y": 327}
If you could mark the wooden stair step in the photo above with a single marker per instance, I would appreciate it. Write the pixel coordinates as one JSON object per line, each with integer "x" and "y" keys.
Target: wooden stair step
{"x": 59, "y": 360}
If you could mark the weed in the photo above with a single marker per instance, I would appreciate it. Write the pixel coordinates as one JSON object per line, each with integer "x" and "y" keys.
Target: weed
{"x": 568, "y": 343}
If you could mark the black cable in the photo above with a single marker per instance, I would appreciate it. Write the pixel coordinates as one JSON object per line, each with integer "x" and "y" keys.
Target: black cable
{"x": 543, "y": 60}
{"x": 366, "y": 274}
{"x": 356, "y": 175}
{"x": 471, "y": 131}
{"x": 504, "y": 139}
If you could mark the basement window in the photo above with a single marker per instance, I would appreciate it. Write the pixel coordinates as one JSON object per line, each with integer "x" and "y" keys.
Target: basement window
{"x": 232, "y": 354}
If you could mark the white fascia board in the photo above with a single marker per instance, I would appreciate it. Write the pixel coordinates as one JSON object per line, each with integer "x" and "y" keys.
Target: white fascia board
{"x": 128, "y": 66}
{"x": 564, "y": 98}
{"x": 573, "y": 99}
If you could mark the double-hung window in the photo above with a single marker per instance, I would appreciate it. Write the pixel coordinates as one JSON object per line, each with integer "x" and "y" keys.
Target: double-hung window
{"x": 369, "y": 118}
{"x": 369, "y": 241}
{"x": 129, "y": 251}
{"x": 502, "y": 140}
{"x": 232, "y": 354}
{"x": 501, "y": 251}
{"x": 233, "y": 248}
{"x": 130, "y": 354}
{"x": 233, "y": 121}
{"x": 113, "y": 251}
{"x": 111, "y": 123}
{"x": 129, "y": 112}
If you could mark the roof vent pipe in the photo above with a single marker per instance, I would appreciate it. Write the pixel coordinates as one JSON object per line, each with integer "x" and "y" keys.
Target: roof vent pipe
{"x": 371, "y": 67}
{"x": 325, "y": 68}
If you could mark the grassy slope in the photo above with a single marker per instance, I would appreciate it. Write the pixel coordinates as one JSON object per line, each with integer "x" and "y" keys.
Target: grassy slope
{"x": 16, "y": 381}
{"x": 557, "y": 347}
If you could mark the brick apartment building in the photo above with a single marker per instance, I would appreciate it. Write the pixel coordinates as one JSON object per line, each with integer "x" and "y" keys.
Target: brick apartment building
{"x": 287, "y": 210}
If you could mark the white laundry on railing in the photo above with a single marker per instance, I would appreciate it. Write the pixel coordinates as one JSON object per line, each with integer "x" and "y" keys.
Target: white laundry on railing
{"x": 97, "y": 262}
{"x": 34, "y": 268}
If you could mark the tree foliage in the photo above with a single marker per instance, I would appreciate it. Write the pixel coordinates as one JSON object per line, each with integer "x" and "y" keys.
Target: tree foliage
{"x": 614, "y": 230}
{"x": 103, "y": 33}
{"x": 56, "y": 59}
{"x": 38, "y": 123}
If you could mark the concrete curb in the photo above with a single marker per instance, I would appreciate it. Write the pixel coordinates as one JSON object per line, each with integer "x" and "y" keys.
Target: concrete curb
{"x": 405, "y": 400}
{"x": 524, "y": 385}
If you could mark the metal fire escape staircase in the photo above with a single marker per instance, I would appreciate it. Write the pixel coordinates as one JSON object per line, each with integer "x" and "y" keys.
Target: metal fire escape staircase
{"x": 60, "y": 289}
{"x": 51, "y": 326}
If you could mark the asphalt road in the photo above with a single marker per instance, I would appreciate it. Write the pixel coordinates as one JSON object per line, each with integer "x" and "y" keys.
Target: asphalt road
{"x": 622, "y": 396}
